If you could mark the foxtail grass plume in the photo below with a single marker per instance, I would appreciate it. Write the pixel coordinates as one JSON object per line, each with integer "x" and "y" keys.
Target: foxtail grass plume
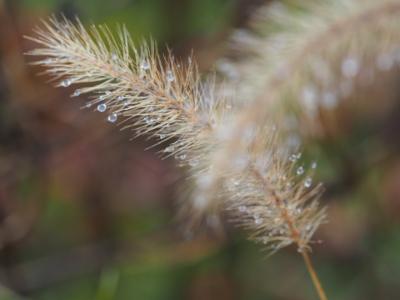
{"x": 154, "y": 95}
{"x": 259, "y": 183}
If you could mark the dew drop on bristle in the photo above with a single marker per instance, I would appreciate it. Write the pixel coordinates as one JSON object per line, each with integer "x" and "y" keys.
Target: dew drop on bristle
{"x": 102, "y": 107}
{"x": 170, "y": 76}
{"x": 169, "y": 149}
{"x": 308, "y": 182}
{"x": 295, "y": 157}
{"x": 148, "y": 120}
{"x": 145, "y": 65}
{"x": 300, "y": 170}
{"x": 66, "y": 83}
{"x": 112, "y": 118}
{"x": 76, "y": 93}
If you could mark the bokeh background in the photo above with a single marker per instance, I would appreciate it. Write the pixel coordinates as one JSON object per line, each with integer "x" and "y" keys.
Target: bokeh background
{"x": 86, "y": 213}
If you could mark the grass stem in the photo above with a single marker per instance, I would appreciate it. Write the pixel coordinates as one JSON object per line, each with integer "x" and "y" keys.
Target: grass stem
{"x": 314, "y": 276}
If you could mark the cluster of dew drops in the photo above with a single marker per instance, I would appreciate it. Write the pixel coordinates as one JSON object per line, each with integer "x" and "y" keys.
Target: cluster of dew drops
{"x": 299, "y": 171}
{"x": 102, "y": 106}
{"x": 351, "y": 68}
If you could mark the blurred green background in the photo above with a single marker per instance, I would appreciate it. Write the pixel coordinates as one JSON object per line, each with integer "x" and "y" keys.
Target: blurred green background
{"x": 86, "y": 213}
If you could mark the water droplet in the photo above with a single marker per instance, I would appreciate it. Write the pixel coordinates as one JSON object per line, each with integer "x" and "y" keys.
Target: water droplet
{"x": 112, "y": 118}
{"x": 170, "y": 149}
{"x": 242, "y": 208}
{"x": 148, "y": 120}
{"x": 308, "y": 182}
{"x": 66, "y": 83}
{"x": 102, "y": 107}
{"x": 170, "y": 76}
{"x": 295, "y": 157}
{"x": 76, "y": 93}
{"x": 350, "y": 67}
{"x": 161, "y": 136}
{"x": 314, "y": 165}
{"x": 300, "y": 170}
{"x": 182, "y": 156}
{"x": 120, "y": 98}
{"x": 114, "y": 57}
{"x": 102, "y": 97}
{"x": 144, "y": 65}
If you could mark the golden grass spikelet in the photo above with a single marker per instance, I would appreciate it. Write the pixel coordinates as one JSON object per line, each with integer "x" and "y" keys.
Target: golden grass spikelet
{"x": 273, "y": 195}
{"x": 153, "y": 95}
